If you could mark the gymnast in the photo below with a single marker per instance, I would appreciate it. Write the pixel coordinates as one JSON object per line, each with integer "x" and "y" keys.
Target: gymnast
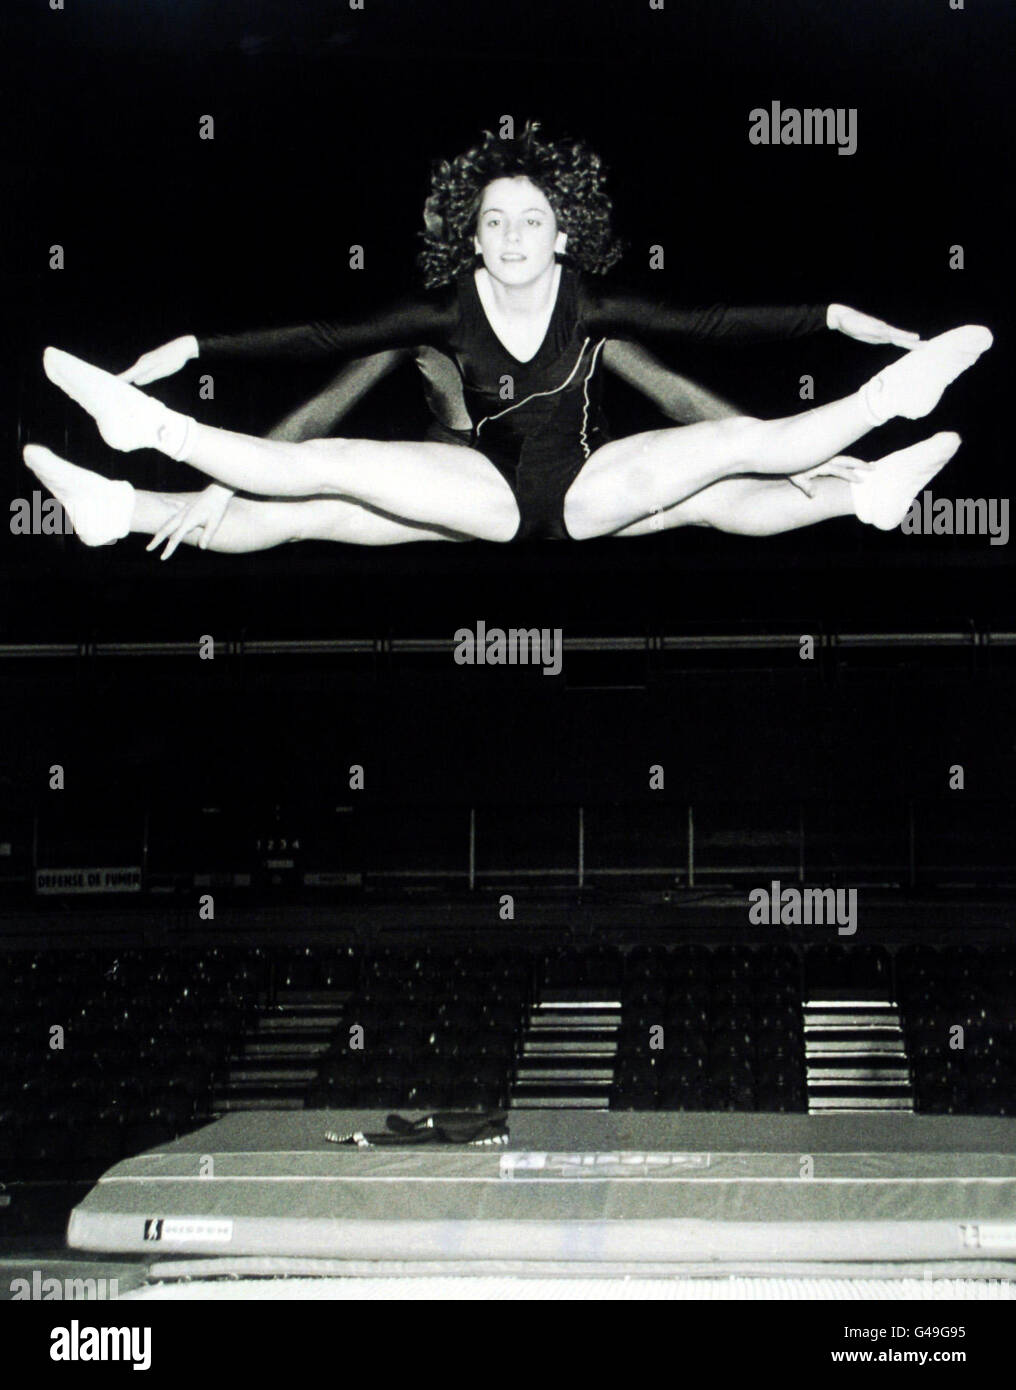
{"x": 195, "y": 519}
{"x": 527, "y": 332}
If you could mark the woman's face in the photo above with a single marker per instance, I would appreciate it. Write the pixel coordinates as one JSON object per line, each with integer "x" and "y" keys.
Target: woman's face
{"x": 516, "y": 231}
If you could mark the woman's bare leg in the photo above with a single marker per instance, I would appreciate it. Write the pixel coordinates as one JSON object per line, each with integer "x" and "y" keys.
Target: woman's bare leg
{"x": 103, "y": 511}
{"x": 443, "y": 486}
{"x": 751, "y": 507}
{"x": 879, "y": 495}
{"x": 250, "y": 525}
{"x": 628, "y": 478}
{"x": 438, "y": 485}
{"x": 625, "y": 480}
{"x": 453, "y": 488}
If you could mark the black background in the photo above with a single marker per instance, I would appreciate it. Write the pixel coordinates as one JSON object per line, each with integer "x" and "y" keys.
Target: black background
{"x": 327, "y": 121}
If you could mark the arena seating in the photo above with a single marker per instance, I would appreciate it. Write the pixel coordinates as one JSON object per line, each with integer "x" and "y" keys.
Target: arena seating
{"x": 959, "y": 1015}
{"x": 732, "y": 1031}
{"x": 438, "y": 1030}
{"x": 111, "y": 1051}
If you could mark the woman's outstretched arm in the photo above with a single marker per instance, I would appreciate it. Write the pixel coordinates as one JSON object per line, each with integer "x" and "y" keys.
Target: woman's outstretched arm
{"x": 415, "y": 319}
{"x": 620, "y": 314}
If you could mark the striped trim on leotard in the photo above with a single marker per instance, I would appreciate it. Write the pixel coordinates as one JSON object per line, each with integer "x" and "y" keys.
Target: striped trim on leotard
{"x": 525, "y": 401}
{"x": 585, "y": 396}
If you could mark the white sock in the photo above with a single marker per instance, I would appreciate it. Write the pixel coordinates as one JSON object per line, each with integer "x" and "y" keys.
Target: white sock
{"x": 913, "y": 385}
{"x": 126, "y": 417}
{"x": 100, "y": 509}
{"x": 883, "y": 497}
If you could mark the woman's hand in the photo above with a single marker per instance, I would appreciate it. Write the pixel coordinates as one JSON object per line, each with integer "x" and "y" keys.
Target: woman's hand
{"x": 850, "y": 470}
{"x": 204, "y": 514}
{"x": 161, "y": 361}
{"x": 865, "y": 329}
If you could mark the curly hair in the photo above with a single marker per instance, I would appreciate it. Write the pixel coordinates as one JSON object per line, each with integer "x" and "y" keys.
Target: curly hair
{"x": 568, "y": 173}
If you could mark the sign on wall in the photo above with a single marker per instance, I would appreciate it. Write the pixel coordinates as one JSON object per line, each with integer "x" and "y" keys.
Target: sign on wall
{"x": 102, "y": 880}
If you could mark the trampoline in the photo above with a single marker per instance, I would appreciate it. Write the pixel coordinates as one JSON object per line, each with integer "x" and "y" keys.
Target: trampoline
{"x": 573, "y": 1205}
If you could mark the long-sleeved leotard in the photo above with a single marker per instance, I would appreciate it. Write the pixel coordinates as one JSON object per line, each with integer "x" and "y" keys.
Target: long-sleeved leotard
{"x": 536, "y": 421}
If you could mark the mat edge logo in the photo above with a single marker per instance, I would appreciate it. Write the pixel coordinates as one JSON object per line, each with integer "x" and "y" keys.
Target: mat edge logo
{"x": 204, "y": 1229}
{"x": 618, "y": 1163}
{"x": 989, "y": 1235}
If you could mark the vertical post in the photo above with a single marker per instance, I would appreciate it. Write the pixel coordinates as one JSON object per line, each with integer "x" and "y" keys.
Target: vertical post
{"x": 472, "y": 848}
{"x": 691, "y": 847}
{"x": 582, "y": 847}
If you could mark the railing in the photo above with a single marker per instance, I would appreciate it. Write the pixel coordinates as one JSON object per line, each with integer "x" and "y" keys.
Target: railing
{"x": 787, "y": 639}
{"x": 923, "y": 842}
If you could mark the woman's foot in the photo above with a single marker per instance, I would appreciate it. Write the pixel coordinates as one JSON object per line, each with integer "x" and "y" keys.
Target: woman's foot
{"x": 913, "y": 386}
{"x": 100, "y": 509}
{"x": 884, "y": 496}
{"x": 126, "y": 417}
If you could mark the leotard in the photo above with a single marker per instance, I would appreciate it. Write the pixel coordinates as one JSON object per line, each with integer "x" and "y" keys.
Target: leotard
{"x": 536, "y": 421}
